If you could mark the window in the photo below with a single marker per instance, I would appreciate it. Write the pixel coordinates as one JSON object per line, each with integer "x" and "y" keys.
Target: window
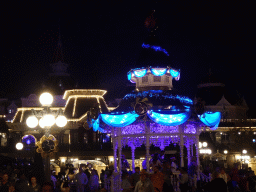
{"x": 157, "y": 78}
{"x": 145, "y": 79}
{"x": 167, "y": 79}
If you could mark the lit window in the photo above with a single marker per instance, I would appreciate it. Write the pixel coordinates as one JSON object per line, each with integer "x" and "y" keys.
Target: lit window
{"x": 157, "y": 78}
{"x": 10, "y": 111}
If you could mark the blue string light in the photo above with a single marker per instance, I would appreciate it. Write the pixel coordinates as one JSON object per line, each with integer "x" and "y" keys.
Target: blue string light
{"x": 158, "y": 72}
{"x": 116, "y": 120}
{"x": 140, "y": 72}
{"x": 129, "y": 75}
{"x": 210, "y": 119}
{"x": 174, "y": 73}
{"x": 168, "y": 119}
{"x": 159, "y": 93}
{"x": 156, "y": 48}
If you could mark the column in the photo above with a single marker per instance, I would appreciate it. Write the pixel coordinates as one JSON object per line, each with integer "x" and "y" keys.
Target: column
{"x": 188, "y": 151}
{"x": 47, "y": 168}
{"x": 115, "y": 155}
{"x": 133, "y": 158}
{"x": 181, "y": 151}
{"x": 119, "y": 154}
{"x": 197, "y": 157}
{"x": 147, "y": 144}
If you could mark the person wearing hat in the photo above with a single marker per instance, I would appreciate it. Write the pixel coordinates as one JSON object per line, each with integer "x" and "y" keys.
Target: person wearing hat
{"x": 144, "y": 184}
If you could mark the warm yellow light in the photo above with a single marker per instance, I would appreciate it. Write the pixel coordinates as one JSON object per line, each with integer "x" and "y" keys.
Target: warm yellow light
{"x": 19, "y": 146}
{"x": 47, "y": 121}
{"x": 61, "y": 121}
{"x": 205, "y": 144}
{"x": 46, "y": 99}
{"x": 225, "y": 151}
{"x": 41, "y": 123}
{"x": 32, "y": 121}
{"x": 200, "y": 145}
{"x": 244, "y": 151}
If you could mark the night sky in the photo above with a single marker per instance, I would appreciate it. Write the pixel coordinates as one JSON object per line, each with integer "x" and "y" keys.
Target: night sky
{"x": 102, "y": 40}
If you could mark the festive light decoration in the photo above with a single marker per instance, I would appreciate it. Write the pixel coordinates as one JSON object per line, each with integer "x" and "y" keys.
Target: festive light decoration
{"x": 174, "y": 73}
{"x": 158, "y": 72}
{"x": 140, "y": 72}
{"x": 129, "y": 75}
{"x": 156, "y": 48}
{"x": 28, "y": 139}
{"x": 211, "y": 119}
{"x": 160, "y": 94}
{"x": 119, "y": 120}
{"x": 168, "y": 119}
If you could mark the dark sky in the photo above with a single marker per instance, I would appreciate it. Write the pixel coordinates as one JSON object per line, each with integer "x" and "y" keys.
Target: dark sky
{"x": 101, "y": 42}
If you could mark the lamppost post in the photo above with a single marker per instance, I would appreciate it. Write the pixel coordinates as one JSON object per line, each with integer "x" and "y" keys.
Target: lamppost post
{"x": 46, "y": 118}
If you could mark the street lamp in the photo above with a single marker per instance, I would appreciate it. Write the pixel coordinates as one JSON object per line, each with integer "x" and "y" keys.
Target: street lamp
{"x": 225, "y": 151}
{"x": 19, "y": 146}
{"x": 46, "y": 118}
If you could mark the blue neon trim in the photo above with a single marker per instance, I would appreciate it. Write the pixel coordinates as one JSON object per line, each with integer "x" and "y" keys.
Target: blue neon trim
{"x": 116, "y": 120}
{"x": 129, "y": 75}
{"x": 158, "y": 72}
{"x": 210, "y": 119}
{"x": 168, "y": 119}
{"x": 156, "y": 48}
{"x": 174, "y": 73}
{"x": 140, "y": 72}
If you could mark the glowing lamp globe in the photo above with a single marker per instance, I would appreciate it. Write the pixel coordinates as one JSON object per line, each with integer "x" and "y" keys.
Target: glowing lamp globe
{"x": 47, "y": 121}
{"x": 61, "y": 121}
{"x": 19, "y": 146}
{"x": 46, "y": 99}
{"x": 32, "y": 121}
{"x": 41, "y": 123}
{"x": 205, "y": 144}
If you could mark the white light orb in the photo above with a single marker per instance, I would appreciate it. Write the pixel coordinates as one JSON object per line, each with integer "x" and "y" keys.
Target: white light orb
{"x": 61, "y": 121}
{"x": 19, "y": 146}
{"x": 244, "y": 151}
{"x": 47, "y": 121}
{"x": 205, "y": 144}
{"x": 225, "y": 151}
{"x": 46, "y": 99}
{"x": 41, "y": 123}
{"x": 200, "y": 145}
{"x": 32, "y": 121}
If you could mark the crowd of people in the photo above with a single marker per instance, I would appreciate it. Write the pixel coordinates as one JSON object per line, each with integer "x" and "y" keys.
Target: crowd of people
{"x": 68, "y": 180}
{"x": 163, "y": 177}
